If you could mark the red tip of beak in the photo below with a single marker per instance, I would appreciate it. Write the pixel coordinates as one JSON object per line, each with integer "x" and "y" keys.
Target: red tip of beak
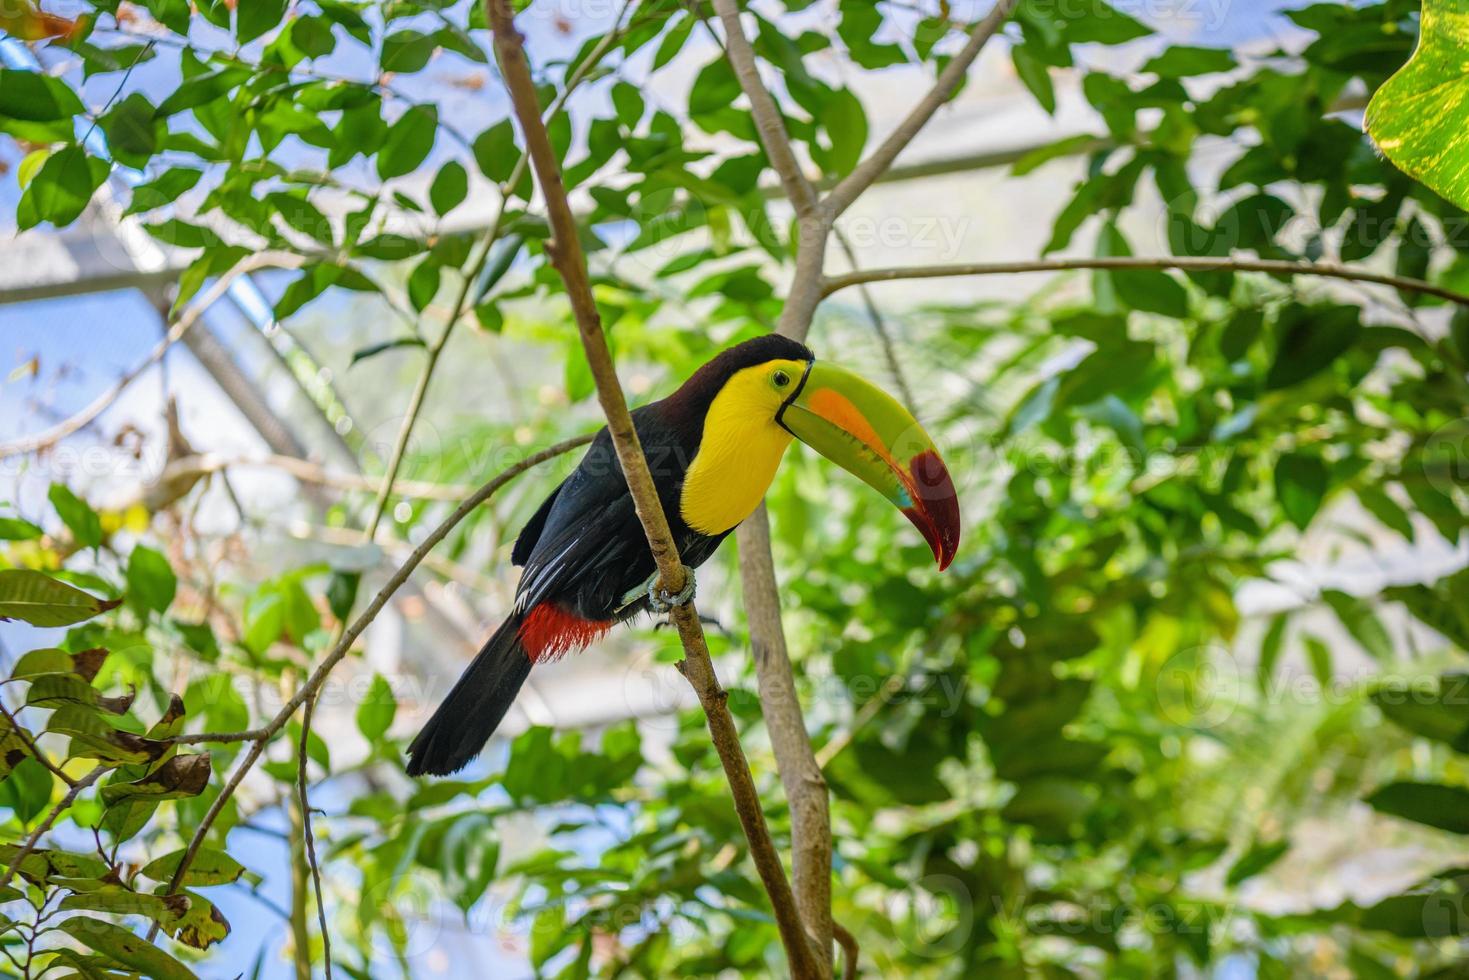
{"x": 935, "y": 510}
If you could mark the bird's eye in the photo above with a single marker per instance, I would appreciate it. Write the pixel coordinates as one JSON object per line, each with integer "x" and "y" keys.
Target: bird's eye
{"x": 781, "y": 379}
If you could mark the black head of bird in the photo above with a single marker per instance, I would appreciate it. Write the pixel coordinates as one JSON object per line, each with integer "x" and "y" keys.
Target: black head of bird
{"x": 713, "y": 447}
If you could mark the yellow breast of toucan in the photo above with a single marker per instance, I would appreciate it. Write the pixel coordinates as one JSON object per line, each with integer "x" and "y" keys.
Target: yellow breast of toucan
{"x": 738, "y": 453}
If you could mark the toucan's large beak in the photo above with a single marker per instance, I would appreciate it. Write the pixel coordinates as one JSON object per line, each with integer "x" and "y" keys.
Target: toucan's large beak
{"x": 867, "y": 432}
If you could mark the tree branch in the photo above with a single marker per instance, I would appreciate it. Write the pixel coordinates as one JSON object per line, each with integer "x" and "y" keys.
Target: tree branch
{"x": 768, "y": 120}
{"x": 850, "y": 951}
{"x": 45, "y": 825}
{"x": 262, "y": 736}
{"x": 866, "y": 172}
{"x": 800, "y": 775}
{"x": 310, "y": 839}
{"x": 879, "y": 325}
{"x": 35, "y": 749}
{"x": 565, "y": 252}
{"x": 1278, "y": 267}
{"x": 190, "y": 316}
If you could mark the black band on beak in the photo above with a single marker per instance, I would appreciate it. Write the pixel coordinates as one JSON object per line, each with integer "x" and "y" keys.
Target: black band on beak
{"x": 780, "y": 412}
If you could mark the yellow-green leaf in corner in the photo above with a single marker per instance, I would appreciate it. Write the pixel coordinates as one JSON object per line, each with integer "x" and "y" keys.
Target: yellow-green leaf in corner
{"x": 125, "y": 948}
{"x": 209, "y": 867}
{"x": 1419, "y": 118}
{"x": 43, "y": 601}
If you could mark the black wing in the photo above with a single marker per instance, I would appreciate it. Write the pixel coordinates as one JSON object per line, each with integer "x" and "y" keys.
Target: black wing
{"x": 531, "y": 533}
{"x": 589, "y": 549}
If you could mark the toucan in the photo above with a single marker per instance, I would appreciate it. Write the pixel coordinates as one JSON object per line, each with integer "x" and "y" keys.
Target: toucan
{"x": 712, "y": 448}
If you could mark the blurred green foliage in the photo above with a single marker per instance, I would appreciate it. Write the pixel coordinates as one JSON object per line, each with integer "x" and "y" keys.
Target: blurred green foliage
{"x": 1069, "y": 755}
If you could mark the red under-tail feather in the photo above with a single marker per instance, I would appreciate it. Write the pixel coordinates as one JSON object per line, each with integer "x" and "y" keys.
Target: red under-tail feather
{"x": 483, "y": 694}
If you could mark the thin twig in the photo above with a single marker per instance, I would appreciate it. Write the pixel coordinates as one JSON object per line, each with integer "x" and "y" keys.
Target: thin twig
{"x": 1278, "y": 267}
{"x": 34, "y": 749}
{"x": 768, "y": 120}
{"x": 850, "y": 950}
{"x": 866, "y": 173}
{"x": 45, "y": 825}
{"x": 261, "y": 737}
{"x": 307, "y": 472}
{"x": 879, "y": 325}
{"x": 190, "y": 316}
{"x": 566, "y": 254}
{"x": 326, "y": 939}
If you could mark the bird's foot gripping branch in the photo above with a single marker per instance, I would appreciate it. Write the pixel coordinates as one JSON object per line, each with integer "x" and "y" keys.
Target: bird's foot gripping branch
{"x": 663, "y": 601}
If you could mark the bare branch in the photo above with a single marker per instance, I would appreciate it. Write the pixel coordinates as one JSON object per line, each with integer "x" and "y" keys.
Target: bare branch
{"x": 800, "y": 775}
{"x": 310, "y": 839}
{"x": 850, "y": 951}
{"x": 566, "y": 254}
{"x": 867, "y": 172}
{"x": 307, "y": 472}
{"x": 190, "y": 316}
{"x": 34, "y": 749}
{"x": 879, "y": 325}
{"x": 1278, "y": 267}
{"x": 261, "y": 737}
{"x": 768, "y": 120}
{"x": 45, "y": 825}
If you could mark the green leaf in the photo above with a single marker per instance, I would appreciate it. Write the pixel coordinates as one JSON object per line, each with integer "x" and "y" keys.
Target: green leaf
{"x": 397, "y": 343}
{"x": 1258, "y": 858}
{"x": 1300, "y": 485}
{"x": 151, "y": 582}
{"x": 1310, "y": 338}
{"x": 1433, "y": 804}
{"x": 27, "y": 789}
{"x": 628, "y": 103}
{"x": 423, "y": 283}
{"x": 126, "y": 948}
{"x": 450, "y": 188}
{"x": 204, "y": 87}
{"x": 407, "y": 51}
{"x": 79, "y": 518}
{"x": 133, "y": 131}
{"x": 209, "y": 867}
{"x": 1270, "y": 649}
{"x": 33, "y": 97}
{"x": 255, "y": 17}
{"x": 1036, "y": 76}
{"x": 16, "y": 529}
{"x": 1361, "y": 622}
{"x": 61, "y": 188}
{"x": 180, "y": 777}
{"x": 40, "y": 600}
{"x": 1183, "y": 59}
{"x": 489, "y": 317}
{"x": 495, "y": 151}
{"x": 1319, "y": 656}
{"x": 165, "y": 190}
{"x": 54, "y": 661}
{"x": 714, "y": 88}
{"x": 376, "y": 712}
{"x": 409, "y": 141}
{"x": 1419, "y": 117}
{"x": 845, "y": 124}
{"x": 1434, "y": 710}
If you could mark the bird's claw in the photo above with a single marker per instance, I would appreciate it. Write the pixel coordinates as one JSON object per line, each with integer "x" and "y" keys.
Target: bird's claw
{"x": 662, "y": 601}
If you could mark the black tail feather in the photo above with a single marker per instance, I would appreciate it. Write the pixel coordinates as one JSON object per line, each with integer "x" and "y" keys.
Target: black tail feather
{"x": 474, "y": 708}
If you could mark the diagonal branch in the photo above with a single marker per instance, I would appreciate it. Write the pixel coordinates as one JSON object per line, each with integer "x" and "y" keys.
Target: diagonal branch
{"x": 879, "y": 325}
{"x": 566, "y": 254}
{"x": 66, "y": 801}
{"x": 181, "y": 326}
{"x": 866, "y": 172}
{"x": 768, "y": 121}
{"x": 261, "y": 737}
{"x": 1278, "y": 267}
